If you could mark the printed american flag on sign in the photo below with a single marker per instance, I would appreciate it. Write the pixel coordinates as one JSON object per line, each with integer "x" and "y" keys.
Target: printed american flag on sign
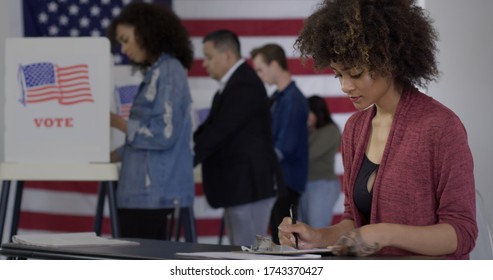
{"x": 124, "y": 97}
{"x": 44, "y": 82}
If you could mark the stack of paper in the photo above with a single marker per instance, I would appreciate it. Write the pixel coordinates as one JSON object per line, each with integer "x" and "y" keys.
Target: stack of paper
{"x": 68, "y": 239}
{"x": 240, "y": 255}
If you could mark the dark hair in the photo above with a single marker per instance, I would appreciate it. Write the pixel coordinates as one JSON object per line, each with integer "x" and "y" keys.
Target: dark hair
{"x": 318, "y": 107}
{"x": 157, "y": 30}
{"x": 224, "y": 40}
{"x": 271, "y": 52}
{"x": 387, "y": 37}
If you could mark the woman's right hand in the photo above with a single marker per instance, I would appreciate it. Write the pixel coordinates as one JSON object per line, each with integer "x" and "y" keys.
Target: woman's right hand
{"x": 308, "y": 237}
{"x": 115, "y": 157}
{"x": 118, "y": 122}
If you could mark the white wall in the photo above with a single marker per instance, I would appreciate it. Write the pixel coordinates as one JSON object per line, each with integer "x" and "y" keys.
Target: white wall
{"x": 10, "y": 26}
{"x": 466, "y": 62}
{"x": 4, "y": 31}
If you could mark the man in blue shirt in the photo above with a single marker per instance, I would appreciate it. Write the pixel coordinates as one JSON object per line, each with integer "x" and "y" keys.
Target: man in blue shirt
{"x": 289, "y": 109}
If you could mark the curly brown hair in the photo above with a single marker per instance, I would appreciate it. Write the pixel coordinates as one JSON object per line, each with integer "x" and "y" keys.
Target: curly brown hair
{"x": 387, "y": 37}
{"x": 157, "y": 30}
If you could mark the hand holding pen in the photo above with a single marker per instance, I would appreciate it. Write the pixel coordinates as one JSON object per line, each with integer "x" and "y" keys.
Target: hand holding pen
{"x": 293, "y": 214}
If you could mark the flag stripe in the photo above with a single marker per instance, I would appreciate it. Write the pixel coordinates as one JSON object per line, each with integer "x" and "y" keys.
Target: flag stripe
{"x": 74, "y": 223}
{"x": 64, "y": 102}
{"x": 339, "y": 105}
{"x": 59, "y": 222}
{"x": 250, "y": 42}
{"x": 62, "y": 99}
{"x": 245, "y": 27}
{"x": 243, "y": 9}
{"x": 79, "y": 187}
{"x": 295, "y": 65}
{"x": 76, "y": 66}
{"x": 77, "y": 78}
{"x": 65, "y": 92}
{"x": 66, "y": 186}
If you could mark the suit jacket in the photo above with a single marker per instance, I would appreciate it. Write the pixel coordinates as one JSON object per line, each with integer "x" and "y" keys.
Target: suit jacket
{"x": 235, "y": 145}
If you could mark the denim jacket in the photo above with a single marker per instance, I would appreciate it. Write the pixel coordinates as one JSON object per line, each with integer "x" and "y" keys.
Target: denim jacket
{"x": 157, "y": 160}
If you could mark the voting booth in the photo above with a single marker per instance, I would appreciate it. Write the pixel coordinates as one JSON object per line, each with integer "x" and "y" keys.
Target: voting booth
{"x": 57, "y": 118}
{"x": 57, "y": 100}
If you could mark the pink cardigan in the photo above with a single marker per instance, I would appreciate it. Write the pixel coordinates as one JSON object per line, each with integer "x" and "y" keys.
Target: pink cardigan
{"x": 426, "y": 173}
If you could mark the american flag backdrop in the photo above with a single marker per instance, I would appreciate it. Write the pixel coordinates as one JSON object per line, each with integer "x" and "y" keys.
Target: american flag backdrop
{"x": 44, "y": 82}
{"x": 69, "y": 206}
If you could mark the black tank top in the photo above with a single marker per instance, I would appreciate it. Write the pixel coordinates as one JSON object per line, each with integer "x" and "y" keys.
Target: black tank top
{"x": 363, "y": 198}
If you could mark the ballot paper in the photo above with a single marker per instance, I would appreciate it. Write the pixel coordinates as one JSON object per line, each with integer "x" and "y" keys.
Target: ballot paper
{"x": 241, "y": 255}
{"x": 264, "y": 245}
{"x": 68, "y": 239}
{"x": 279, "y": 253}
{"x": 262, "y": 249}
{"x": 286, "y": 250}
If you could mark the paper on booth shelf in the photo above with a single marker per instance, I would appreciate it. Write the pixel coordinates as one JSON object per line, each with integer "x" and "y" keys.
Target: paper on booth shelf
{"x": 68, "y": 239}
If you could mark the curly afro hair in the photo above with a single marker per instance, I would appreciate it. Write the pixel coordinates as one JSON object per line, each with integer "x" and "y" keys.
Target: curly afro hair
{"x": 157, "y": 30}
{"x": 387, "y": 37}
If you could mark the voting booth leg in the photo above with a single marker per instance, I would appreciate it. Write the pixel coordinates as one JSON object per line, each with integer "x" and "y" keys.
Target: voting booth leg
{"x": 115, "y": 225}
{"x": 4, "y": 199}
{"x": 98, "y": 218}
{"x": 221, "y": 231}
{"x": 110, "y": 189}
{"x": 188, "y": 220}
{"x": 17, "y": 209}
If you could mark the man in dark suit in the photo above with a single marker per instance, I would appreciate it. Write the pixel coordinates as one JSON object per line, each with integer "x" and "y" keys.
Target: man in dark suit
{"x": 234, "y": 144}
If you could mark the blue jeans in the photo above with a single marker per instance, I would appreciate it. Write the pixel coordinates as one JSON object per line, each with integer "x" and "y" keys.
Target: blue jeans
{"x": 317, "y": 202}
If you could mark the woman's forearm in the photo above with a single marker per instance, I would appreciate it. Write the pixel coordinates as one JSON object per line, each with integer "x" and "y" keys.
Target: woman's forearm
{"x": 434, "y": 240}
{"x": 329, "y": 235}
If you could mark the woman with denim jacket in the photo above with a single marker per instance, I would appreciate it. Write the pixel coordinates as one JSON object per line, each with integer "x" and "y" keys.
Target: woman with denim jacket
{"x": 157, "y": 163}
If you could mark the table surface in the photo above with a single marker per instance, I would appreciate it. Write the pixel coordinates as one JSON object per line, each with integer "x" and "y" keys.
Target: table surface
{"x": 147, "y": 249}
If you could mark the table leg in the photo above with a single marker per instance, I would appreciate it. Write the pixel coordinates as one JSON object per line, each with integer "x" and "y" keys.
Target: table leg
{"x": 4, "y": 200}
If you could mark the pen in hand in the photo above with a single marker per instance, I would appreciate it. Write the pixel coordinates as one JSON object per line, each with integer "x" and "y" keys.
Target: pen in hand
{"x": 292, "y": 213}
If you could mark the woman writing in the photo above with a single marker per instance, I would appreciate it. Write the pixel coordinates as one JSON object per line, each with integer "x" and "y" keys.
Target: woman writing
{"x": 408, "y": 170}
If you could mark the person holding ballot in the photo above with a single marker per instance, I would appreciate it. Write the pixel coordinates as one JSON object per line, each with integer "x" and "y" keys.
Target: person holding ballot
{"x": 157, "y": 163}
{"x": 408, "y": 170}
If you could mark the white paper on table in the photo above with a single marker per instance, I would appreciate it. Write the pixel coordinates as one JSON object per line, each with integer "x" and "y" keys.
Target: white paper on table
{"x": 286, "y": 250}
{"x": 240, "y": 255}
